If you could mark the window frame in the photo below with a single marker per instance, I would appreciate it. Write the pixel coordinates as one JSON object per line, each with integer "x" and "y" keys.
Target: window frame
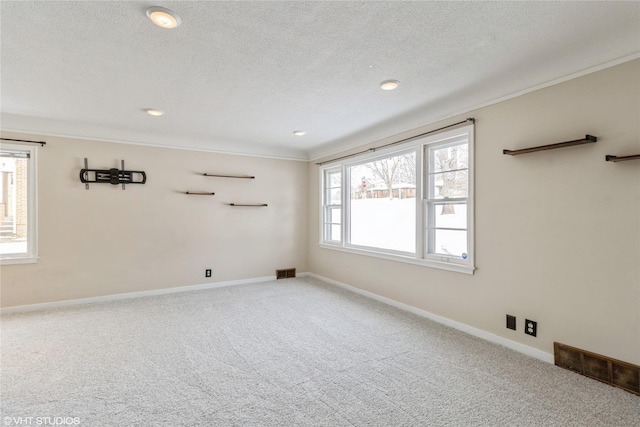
{"x": 31, "y": 255}
{"x": 326, "y": 206}
{"x": 421, "y": 257}
{"x": 346, "y": 201}
{"x": 429, "y": 201}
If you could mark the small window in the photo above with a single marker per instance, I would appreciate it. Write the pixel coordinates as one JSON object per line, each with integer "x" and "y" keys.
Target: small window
{"x": 332, "y": 206}
{"x": 18, "y": 229}
{"x": 447, "y": 200}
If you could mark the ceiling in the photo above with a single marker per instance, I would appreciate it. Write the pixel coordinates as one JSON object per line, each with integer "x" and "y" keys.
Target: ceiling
{"x": 242, "y": 76}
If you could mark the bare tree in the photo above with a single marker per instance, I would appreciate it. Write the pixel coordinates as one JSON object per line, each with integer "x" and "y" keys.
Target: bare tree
{"x": 408, "y": 169}
{"x": 451, "y": 159}
{"x": 386, "y": 171}
{"x": 393, "y": 169}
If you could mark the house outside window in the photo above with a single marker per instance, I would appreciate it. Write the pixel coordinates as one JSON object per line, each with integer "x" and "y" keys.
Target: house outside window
{"x": 18, "y": 228}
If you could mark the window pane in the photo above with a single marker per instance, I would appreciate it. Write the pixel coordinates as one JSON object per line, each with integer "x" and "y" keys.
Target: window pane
{"x": 335, "y": 232}
{"x": 383, "y": 203}
{"x": 335, "y": 216}
{"x": 14, "y": 167}
{"x": 448, "y": 215}
{"x": 334, "y": 196}
{"x": 448, "y": 158}
{"x": 450, "y": 242}
{"x": 449, "y": 184}
{"x": 334, "y": 179}
{"x": 332, "y": 232}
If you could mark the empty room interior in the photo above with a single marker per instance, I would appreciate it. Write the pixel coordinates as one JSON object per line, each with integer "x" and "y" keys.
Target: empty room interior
{"x": 320, "y": 213}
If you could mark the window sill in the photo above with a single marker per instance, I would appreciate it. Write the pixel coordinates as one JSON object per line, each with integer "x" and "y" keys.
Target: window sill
{"x": 458, "y": 268}
{"x": 18, "y": 260}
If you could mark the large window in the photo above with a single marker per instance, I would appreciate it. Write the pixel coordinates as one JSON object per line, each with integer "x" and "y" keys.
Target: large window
{"x": 413, "y": 205}
{"x": 382, "y": 203}
{"x": 18, "y": 230}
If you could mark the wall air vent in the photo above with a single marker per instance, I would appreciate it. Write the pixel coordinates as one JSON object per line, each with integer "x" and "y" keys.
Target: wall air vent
{"x": 286, "y": 273}
{"x": 611, "y": 371}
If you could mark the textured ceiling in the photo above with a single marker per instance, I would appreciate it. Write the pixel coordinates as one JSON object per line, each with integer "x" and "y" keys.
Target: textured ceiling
{"x": 241, "y": 76}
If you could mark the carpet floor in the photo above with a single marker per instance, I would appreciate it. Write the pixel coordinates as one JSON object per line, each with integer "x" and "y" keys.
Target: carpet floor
{"x": 295, "y": 352}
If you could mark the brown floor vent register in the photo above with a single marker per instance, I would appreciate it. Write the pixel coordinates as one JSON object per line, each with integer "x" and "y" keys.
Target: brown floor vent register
{"x": 286, "y": 274}
{"x": 611, "y": 371}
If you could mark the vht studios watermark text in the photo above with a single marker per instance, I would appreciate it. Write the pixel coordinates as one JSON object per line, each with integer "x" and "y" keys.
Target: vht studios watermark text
{"x": 41, "y": 421}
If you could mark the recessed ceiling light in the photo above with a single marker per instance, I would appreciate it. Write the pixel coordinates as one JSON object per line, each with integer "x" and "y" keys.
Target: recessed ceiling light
{"x": 299, "y": 132}
{"x": 154, "y": 112}
{"x": 163, "y": 17}
{"x": 389, "y": 84}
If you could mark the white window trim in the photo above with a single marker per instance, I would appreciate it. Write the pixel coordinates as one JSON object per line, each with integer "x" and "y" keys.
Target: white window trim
{"x": 469, "y": 202}
{"x": 346, "y": 176}
{"x": 420, "y": 257}
{"x": 32, "y": 209}
{"x": 323, "y": 206}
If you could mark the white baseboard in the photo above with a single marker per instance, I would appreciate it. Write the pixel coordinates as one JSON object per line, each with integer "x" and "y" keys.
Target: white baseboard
{"x": 106, "y": 298}
{"x": 516, "y": 346}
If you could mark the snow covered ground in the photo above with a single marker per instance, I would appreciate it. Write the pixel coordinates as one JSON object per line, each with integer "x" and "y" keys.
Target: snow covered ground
{"x": 390, "y": 224}
{"x": 13, "y": 247}
{"x": 384, "y": 223}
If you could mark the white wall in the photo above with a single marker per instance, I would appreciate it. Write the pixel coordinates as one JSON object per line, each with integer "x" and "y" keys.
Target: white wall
{"x": 557, "y": 232}
{"x": 108, "y": 241}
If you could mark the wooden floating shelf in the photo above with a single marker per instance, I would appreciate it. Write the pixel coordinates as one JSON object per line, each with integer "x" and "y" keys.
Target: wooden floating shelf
{"x": 191, "y": 193}
{"x": 610, "y": 158}
{"x": 587, "y": 139}
{"x": 230, "y": 176}
{"x": 259, "y": 205}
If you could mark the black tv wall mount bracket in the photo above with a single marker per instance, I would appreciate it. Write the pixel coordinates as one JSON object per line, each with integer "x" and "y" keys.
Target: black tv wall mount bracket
{"x": 111, "y": 176}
